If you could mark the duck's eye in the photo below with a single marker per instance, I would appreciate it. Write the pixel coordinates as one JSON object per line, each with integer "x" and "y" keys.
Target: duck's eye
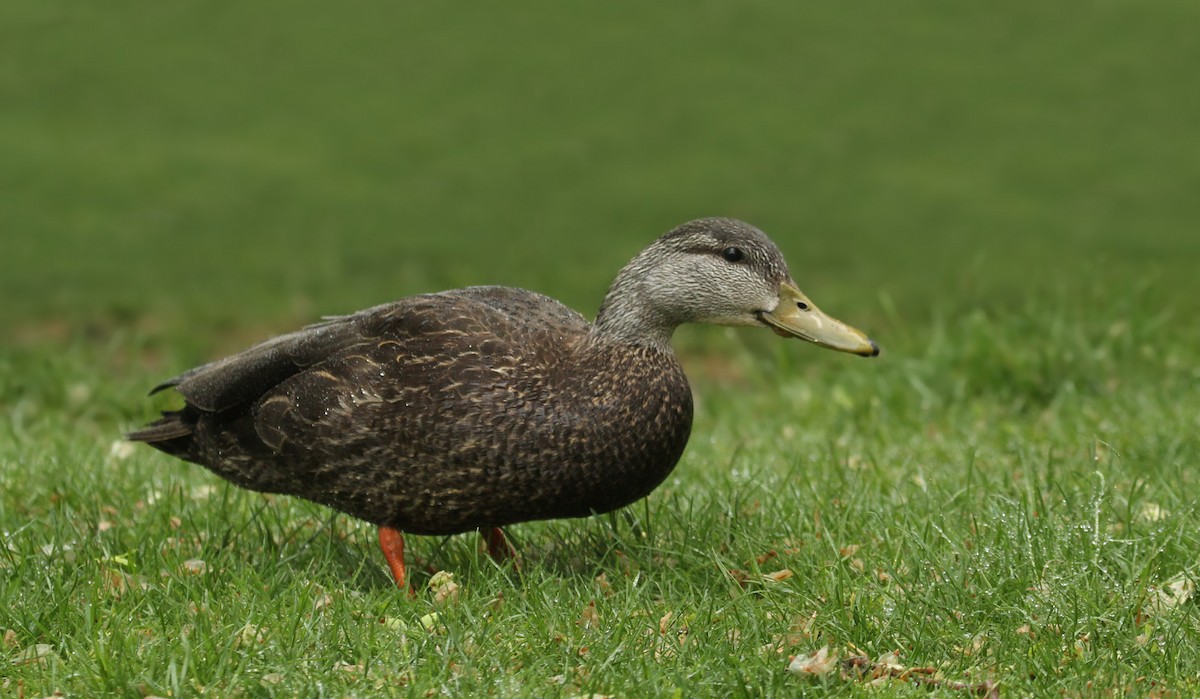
{"x": 801, "y": 305}
{"x": 733, "y": 254}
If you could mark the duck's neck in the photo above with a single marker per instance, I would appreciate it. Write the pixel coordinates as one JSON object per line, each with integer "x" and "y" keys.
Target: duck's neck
{"x": 626, "y": 316}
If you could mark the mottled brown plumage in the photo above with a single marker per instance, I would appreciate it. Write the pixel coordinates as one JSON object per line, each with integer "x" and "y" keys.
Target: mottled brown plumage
{"x": 480, "y": 407}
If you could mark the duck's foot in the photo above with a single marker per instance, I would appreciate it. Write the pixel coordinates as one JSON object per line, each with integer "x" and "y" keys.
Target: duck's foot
{"x": 392, "y": 543}
{"x": 498, "y": 547}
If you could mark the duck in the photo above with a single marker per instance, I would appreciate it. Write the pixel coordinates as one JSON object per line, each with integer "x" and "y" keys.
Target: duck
{"x": 482, "y": 407}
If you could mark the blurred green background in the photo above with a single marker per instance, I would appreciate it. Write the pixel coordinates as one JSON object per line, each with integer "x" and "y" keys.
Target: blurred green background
{"x": 213, "y": 172}
{"x": 1004, "y": 195}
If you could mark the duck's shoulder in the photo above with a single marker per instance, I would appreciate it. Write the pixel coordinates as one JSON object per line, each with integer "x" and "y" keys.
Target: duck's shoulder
{"x": 521, "y": 305}
{"x": 478, "y": 311}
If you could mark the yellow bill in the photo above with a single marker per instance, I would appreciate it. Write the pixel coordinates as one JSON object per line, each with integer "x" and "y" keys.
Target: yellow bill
{"x": 796, "y": 316}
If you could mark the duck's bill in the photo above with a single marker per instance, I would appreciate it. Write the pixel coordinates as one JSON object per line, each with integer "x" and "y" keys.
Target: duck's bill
{"x": 796, "y": 316}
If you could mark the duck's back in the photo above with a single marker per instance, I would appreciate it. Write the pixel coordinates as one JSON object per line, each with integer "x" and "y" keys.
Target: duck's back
{"x": 440, "y": 413}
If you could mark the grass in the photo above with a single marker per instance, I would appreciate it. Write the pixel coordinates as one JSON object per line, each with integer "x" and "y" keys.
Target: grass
{"x": 1003, "y": 198}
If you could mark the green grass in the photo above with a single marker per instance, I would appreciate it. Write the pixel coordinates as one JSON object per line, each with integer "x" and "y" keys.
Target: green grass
{"x": 1003, "y": 197}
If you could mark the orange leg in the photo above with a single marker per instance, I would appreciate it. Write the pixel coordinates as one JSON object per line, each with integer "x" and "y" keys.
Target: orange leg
{"x": 392, "y": 543}
{"x": 498, "y": 547}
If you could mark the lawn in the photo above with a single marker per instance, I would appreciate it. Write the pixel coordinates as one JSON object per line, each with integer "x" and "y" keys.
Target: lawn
{"x": 1003, "y": 197}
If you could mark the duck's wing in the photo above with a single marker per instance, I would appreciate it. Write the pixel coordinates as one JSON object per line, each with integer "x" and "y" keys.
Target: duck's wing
{"x": 243, "y": 377}
{"x": 331, "y": 354}
{"x": 428, "y": 367}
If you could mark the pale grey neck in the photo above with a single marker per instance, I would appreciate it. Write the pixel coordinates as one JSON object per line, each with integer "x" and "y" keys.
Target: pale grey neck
{"x": 625, "y": 316}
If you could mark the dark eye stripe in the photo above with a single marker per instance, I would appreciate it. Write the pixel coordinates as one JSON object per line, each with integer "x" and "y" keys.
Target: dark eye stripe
{"x": 721, "y": 253}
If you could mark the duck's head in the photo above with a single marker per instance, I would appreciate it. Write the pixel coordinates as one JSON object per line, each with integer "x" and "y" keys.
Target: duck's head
{"x": 720, "y": 271}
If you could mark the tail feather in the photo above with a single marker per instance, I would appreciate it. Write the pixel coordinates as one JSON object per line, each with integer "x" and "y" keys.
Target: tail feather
{"x": 172, "y": 425}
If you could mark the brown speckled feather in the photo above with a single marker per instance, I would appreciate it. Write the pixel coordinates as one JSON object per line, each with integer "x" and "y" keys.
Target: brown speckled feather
{"x": 440, "y": 413}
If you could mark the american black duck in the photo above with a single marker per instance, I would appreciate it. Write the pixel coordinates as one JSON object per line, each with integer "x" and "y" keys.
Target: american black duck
{"x": 477, "y": 408}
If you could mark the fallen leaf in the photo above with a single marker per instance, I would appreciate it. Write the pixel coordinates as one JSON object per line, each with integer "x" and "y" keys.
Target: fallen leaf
{"x": 121, "y": 450}
{"x": 443, "y": 586}
{"x": 10, "y": 638}
{"x": 800, "y": 628}
{"x": 976, "y": 644}
{"x": 195, "y": 566}
{"x": 79, "y": 393}
{"x": 820, "y": 663}
{"x": 429, "y": 621}
{"x": 1152, "y": 512}
{"x": 250, "y": 634}
{"x": 778, "y": 576}
{"x": 272, "y": 678}
{"x": 887, "y": 669}
{"x": 666, "y": 645}
{"x": 64, "y": 552}
{"x": 665, "y": 622}
{"x": 1162, "y": 600}
{"x": 322, "y": 602}
{"x": 37, "y": 653}
{"x": 890, "y": 661}
{"x": 766, "y": 557}
{"x": 118, "y": 583}
{"x": 848, "y": 551}
{"x": 589, "y": 618}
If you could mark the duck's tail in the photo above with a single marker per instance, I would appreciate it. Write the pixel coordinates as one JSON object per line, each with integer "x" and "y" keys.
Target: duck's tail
{"x": 170, "y": 426}
{"x": 171, "y": 433}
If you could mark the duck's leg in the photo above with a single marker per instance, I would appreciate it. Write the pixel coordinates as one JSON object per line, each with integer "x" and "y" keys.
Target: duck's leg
{"x": 497, "y": 545}
{"x": 392, "y": 543}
